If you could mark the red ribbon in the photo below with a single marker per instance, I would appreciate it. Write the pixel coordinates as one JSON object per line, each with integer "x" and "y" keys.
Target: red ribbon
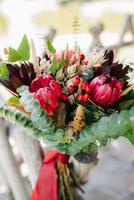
{"x": 47, "y": 187}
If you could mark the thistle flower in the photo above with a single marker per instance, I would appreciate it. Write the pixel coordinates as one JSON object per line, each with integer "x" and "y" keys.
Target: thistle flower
{"x": 47, "y": 91}
{"x": 106, "y": 90}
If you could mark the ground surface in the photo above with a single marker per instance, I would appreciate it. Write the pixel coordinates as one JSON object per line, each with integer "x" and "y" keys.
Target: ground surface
{"x": 113, "y": 177}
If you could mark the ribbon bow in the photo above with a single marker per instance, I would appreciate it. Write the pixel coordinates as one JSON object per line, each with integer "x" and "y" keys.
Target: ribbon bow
{"x": 47, "y": 187}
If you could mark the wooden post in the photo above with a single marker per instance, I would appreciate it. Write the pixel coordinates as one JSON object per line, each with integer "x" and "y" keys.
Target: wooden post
{"x": 30, "y": 150}
{"x": 10, "y": 167}
{"x": 126, "y": 27}
{"x": 95, "y": 32}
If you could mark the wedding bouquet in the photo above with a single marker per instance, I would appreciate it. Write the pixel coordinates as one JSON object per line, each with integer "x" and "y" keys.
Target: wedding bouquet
{"x": 73, "y": 102}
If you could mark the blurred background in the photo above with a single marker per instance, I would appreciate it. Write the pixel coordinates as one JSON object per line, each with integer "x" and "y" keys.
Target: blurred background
{"x": 89, "y": 22}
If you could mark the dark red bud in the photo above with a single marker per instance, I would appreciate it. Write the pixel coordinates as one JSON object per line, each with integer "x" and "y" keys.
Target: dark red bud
{"x": 84, "y": 85}
{"x": 80, "y": 97}
{"x": 86, "y": 98}
{"x": 76, "y": 80}
{"x": 70, "y": 89}
{"x": 64, "y": 97}
{"x": 88, "y": 89}
{"x": 82, "y": 57}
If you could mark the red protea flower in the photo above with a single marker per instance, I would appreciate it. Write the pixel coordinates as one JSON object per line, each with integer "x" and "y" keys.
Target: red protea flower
{"x": 106, "y": 90}
{"x": 47, "y": 91}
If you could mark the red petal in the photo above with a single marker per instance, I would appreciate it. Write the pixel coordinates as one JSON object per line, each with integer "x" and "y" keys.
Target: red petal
{"x": 35, "y": 85}
{"x": 98, "y": 81}
{"x": 104, "y": 100}
{"x": 119, "y": 85}
{"x": 52, "y": 99}
{"x": 49, "y": 109}
{"x": 56, "y": 88}
{"x": 40, "y": 95}
{"x": 45, "y": 80}
{"x": 114, "y": 97}
{"x": 102, "y": 95}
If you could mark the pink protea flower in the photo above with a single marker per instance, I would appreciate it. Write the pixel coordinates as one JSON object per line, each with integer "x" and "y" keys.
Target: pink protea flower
{"x": 47, "y": 91}
{"x": 106, "y": 90}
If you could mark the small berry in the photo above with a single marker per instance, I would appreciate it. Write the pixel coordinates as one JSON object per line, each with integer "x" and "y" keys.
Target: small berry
{"x": 84, "y": 85}
{"x": 76, "y": 80}
{"x": 82, "y": 57}
{"x": 86, "y": 97}
{"x": 64, "y": 97}
{"x": 80, "y": 97}
{"x": 70, "y": 89}
{"x": 88, "y": 89}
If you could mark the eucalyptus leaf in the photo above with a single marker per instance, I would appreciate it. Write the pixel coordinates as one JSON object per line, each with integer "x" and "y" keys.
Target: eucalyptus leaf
{"x": 41, "y": 121}
{"x": 113, "y": 126}
{"x": 130, "y": 137}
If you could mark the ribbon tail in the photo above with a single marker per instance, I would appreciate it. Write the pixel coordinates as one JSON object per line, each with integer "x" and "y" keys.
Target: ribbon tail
{"x": 35, "y": 195}
{"x": 47, "y": 184}
{"x": 46, "y": 187}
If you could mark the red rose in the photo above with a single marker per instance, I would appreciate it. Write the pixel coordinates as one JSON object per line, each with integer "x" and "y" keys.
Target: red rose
{"x": 106, "y": 90}
{"x": 47, "y": 91}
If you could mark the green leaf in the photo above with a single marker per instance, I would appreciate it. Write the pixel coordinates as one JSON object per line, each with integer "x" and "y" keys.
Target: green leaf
{"x": 14, "y": 100}
{"x": 126, "y": 104}
{"x": 24, "y": 49}
{"x": 128, "y": 96}
{"x": 53, "y": 67}
{"x": 130, "y": 137}
{"x": 4, "y": 71}
{"x": 50, "y": 47}
{"x": 61, "y": 63}
{"x": 13, "y": 55}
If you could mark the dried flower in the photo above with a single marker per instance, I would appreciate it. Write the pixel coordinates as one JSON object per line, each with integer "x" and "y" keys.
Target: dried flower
{"x": 79, "y": 120}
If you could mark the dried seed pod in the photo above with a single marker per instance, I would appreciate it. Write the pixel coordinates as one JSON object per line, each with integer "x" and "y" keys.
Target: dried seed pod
{"x": 79, "y": 120}
{"x": 60, "y": 75}
{"x": 71, "y": 69}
